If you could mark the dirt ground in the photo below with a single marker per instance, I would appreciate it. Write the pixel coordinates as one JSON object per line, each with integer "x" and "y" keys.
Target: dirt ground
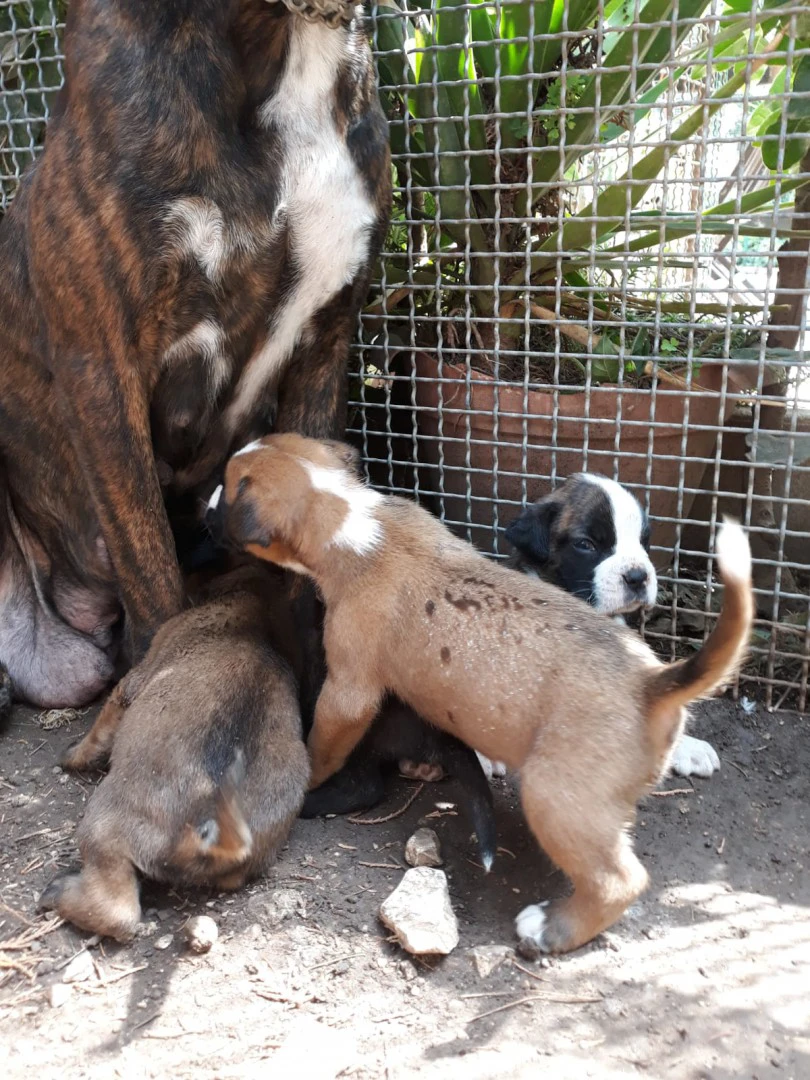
{"x": 708, "y": 976}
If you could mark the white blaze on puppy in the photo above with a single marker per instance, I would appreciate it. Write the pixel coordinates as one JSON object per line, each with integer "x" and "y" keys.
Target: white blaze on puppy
{"x": 628, "y": 522}
{"x": 360, "y": 531}
{"x": 323, "y": 198}
{"x": 213, "y": 502}
{"x": 250, "y": 447}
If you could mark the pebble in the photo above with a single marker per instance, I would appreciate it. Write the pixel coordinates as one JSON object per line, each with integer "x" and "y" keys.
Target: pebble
{"x": 80, "y": 968}
{"x": 420, "y": 913}
{"x": 423, "y": 849}
{"x": 201, "y": 933}
{"x": 486, "y": 958}
{"x": 59, "y": 995}
{"x": 164, "y": 942}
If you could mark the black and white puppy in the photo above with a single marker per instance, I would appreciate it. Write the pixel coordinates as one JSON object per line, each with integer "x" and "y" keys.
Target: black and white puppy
{"x": 591, "y": 537}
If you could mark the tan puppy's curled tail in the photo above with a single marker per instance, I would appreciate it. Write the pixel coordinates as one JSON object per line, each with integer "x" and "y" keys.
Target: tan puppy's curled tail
{"x": 678, "y": 684}
{"x": 223, "y": 841}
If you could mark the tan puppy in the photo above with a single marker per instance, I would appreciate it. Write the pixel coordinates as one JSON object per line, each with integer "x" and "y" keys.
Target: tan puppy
{"x": 208, "y": 768}
{"x": 517, "y": 668}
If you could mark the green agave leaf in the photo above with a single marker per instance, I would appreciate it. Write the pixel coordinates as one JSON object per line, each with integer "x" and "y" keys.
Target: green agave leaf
{"x": 453, "y": 65}
{"x": 796, "y": 144}
{"x": 442, "y": 141}
{"x": 651, "y": 47}
{"x": 482, "y": 34}
{"x": 611, "y": 206}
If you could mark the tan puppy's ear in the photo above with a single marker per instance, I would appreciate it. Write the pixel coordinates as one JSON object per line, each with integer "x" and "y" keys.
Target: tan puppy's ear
{"x": 349, "y": 456}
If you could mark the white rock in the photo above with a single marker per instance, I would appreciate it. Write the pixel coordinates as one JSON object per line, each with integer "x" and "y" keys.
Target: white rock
{"x": 164, "y": 942}
{"x": 80, "y": 968}
{"x": 487, "y": 958}
{"x": 201, "y": 933}
{"x": 423, "y": 849}
{"x": 420, "y": 914}
{"x": 59, "y": 995}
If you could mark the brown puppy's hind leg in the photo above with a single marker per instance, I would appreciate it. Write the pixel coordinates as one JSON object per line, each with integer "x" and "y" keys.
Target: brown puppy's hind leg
{"x": 593, "y": 850}
{"x": 93, "y": 751}
{"x": 103, "y": 898}
{"x": 342, "y": 717}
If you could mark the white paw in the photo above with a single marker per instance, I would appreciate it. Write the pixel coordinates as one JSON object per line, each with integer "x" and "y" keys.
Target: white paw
{"x": 694, "y": 757}
{"x": 491, "y": 768}
{"x": 530, "y": 925}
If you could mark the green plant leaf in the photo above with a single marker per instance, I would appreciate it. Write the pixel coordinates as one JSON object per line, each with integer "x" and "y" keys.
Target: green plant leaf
{"x": 482, "y": 34}
{"x": 455, "y": 63}
{"x": 608, "y": 214}
{"x": 446, "y": 166}
{"x": 605, "y": 361}
{"x": 614, "y": 83}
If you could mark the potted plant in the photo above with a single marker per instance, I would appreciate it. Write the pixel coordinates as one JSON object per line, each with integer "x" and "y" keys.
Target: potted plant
{"x": 530, "y": 358}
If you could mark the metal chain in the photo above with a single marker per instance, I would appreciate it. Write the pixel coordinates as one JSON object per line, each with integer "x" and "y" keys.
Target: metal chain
{"x": 334, "y": 13}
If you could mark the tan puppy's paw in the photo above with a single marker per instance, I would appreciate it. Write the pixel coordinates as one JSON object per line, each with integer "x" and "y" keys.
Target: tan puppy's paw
{"x": 86, "y": 755}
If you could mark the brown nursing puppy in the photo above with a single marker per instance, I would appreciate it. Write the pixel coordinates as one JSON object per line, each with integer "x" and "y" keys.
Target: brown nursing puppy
{"x": 208, "y": 768}
{"x": 520, "y": 670}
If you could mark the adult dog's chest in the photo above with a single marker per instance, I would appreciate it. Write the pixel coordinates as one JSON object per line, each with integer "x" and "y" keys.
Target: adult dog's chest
{"x": 256, "y": 263}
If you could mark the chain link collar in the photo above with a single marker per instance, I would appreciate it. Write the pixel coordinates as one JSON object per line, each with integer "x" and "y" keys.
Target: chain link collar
{"x": 334, "y": 13}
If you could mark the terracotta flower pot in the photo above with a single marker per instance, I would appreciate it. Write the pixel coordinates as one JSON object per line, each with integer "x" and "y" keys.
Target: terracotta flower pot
{"x": 460, "y": 444}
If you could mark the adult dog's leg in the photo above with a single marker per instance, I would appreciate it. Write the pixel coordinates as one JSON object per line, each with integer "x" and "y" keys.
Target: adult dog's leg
{"x": 108, "y": 419}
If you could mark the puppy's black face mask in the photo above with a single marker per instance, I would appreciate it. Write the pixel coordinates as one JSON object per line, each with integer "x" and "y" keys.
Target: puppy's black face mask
{"x": 563, "y": 549}
{"x": 568, "y": 535}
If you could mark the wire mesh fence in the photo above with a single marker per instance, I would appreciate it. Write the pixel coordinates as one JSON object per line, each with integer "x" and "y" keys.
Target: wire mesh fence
{"x": 598, "y": 260}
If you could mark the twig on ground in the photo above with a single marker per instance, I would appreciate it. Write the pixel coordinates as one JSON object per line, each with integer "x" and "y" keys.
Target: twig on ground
{"x": 326, "y": 963}
{"x": 389, "y": 817}
{"x": 148, "y": 1020}
{"x": 24, "y": 940}
{"x": 672, "y": 791}
{"x": 124, "y": 974}
{"x": 562, "y": 999}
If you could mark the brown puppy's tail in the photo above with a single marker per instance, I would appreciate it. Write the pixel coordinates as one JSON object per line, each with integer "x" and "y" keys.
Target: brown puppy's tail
{"x": 677, "y": 684}
{"x": 223, "y": 841}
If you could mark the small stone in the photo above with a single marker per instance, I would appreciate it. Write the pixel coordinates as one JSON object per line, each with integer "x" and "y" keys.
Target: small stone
{"x": 423, "y": 849}
{"x": 487, "y": 958}
{"x": 164, "y": 942}
{"x": 80, "y": 968}
{"x": 59, "y": 995}
{"x": 420, "y": 913}
{"x": 57, "y": 770}
{"x": 20, "y": 800}
{"x": 200, "y": 933}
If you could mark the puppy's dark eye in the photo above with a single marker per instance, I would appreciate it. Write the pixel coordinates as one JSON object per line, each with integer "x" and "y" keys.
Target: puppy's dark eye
{"x": 583, "y": 544}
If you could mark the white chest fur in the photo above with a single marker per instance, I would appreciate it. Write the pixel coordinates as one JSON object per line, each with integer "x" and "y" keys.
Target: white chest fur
{"x": 323, "y": 198}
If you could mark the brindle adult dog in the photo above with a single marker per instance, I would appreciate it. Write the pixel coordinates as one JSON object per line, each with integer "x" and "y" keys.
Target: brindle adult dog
{"x": 183, "y": 269}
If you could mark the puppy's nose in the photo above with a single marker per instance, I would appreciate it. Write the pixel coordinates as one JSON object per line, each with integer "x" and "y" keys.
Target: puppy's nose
{"x": 636, "y": 577}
